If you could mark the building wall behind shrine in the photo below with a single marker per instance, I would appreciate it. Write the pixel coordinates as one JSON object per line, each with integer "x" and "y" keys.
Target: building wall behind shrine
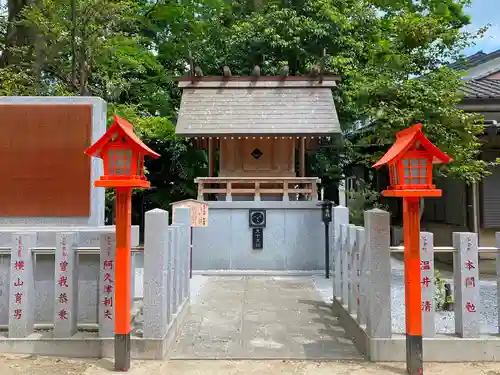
{"x": 46, "y": 177}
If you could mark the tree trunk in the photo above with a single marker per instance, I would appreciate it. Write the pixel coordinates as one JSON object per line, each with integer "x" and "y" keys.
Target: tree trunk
{"x": 17, "y": 35}
{"x": 73, "y": 43}
{"x": 83, "y": 66}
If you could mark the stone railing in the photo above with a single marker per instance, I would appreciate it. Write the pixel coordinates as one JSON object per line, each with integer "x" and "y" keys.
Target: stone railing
{"x": 368, "y": 288}
{"x": 69, "y": 300}
{"x": 288, "y": 188}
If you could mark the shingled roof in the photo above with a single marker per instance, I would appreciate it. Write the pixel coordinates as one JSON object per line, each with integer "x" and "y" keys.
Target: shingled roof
{"x": 482, "y": 89}
{"x": 297, "y": 106}
{"x": 468, "y": 62}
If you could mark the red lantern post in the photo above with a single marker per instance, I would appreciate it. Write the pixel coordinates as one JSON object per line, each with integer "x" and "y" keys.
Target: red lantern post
{"x": 123, "y": 156}
{"x": 410, "y": 161}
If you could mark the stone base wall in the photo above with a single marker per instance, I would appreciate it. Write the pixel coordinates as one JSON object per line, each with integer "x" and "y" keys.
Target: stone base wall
{"x": 364, "y": 293}
{"x": 58, "y": 299}
{"x": 293, "y": 238}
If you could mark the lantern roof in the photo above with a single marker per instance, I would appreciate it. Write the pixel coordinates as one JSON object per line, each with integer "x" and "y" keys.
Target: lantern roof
{"x": 122, "y": 126}
{"x": 405, "y": 139}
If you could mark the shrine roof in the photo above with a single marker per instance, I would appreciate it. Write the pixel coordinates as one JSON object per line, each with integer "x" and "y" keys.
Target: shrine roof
{"x": 407, "y": 138}
{"x": 265, "y": 105}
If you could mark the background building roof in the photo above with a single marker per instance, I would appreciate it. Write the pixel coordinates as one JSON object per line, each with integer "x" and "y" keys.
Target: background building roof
{"x": 476, "y": 59}
{"x": 482, "y": 89}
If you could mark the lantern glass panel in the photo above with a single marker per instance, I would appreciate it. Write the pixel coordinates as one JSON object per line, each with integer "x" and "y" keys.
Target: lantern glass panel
{"x": 141, "y": 165}
{"x": 119, "y": 162}
{"x": 394, "y": 174}
{"x": 415, "y": 171}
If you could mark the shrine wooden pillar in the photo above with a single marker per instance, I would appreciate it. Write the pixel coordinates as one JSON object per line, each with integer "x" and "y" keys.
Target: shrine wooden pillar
{"x": 211, "y": 157}
{"x": 302, "y": 157}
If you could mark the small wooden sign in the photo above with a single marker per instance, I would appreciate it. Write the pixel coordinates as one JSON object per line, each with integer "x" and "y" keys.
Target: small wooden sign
{"x": 199, "y": 211}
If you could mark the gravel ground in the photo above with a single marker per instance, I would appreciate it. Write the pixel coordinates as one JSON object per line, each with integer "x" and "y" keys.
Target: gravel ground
{"x": 445, "y": 320}
{"x": 26, "y": 365}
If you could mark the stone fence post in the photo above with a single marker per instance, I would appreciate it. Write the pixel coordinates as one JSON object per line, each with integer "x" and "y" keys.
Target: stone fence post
{"x": 66, "y": 285}
{"x": 156, "y": 274}
{"x": 174, "y": 269}
{"x": 340, "y": 217}
{"x": 183, "y": 220}
{"x": 497, "y": 235}
{"x": 22, "y": 285}
{"x": 466, "y": 280}
{"x": 361, "y": 276}
{"x": 378, "y": 293}
{"x": 344, "y": 264}
{"x": 107, "y": 285}
{"x": 351, "y": 254}
{"x": 427, "y": 284}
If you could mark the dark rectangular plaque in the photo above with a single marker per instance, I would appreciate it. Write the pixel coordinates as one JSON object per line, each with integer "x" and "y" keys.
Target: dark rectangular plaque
{"x": 257, "y": 238}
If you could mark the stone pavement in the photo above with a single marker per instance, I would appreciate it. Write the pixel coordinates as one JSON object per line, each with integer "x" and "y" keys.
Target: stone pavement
{"x": 261, "y": 317}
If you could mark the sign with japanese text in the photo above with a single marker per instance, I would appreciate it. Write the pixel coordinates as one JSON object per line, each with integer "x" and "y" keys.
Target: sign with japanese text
{"x": 427, "y": 283}
{"x": 66, "y": 298}
{"x": 198, "y": 209}
{"x": 467, "y": 320}
{"x": 21, "y": 311}
{"x": 107, "y": 285}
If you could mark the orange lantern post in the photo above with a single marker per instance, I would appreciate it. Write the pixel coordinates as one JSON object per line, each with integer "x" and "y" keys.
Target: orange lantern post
{"x": 410, "y": 161}
{"x": 123, "y": 157}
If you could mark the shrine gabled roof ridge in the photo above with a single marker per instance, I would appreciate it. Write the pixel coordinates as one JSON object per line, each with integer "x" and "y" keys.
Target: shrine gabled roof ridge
{"x": 256, "y": 78}
{"x": 254, "y": 82}
{"x": 405, "y": 139}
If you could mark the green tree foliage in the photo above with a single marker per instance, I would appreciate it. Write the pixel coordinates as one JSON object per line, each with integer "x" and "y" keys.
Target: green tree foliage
{"x": 390, "y": 55}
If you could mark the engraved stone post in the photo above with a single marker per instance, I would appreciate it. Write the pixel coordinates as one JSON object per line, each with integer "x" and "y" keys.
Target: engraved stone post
{"x": 344, "y": 282}
{"x": 107, "y": 285}
{"x": 4, "y": 288}
{"x": 22, "y": 285}
{"x": 498, "y": 275}
{"x": 340, "y": 216}
{"x": 132, "y": 279}
{"x": 466, "y": 276}
{"x": 378, "y": 293}
{"x": 183, "y": 220}
{"x": 427, "y": 283}
{"x": 361, "y": 274}
{"x": 66, "y": 285}
{"x": 156, "y": 243}
{"x": 351, "y": 255}
{"x": 174, "y": 250}
{"x": 169, "y": 267}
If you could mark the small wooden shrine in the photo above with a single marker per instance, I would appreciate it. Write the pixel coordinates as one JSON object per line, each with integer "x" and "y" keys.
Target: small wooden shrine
{"x": 256, "y": 127}
{"x": 262, "y": 207}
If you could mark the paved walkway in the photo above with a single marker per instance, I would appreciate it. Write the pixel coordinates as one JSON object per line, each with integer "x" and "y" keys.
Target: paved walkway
{"x": 258, "y": 317}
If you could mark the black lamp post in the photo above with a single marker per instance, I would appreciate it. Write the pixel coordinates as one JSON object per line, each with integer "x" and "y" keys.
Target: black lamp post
{"x": 326, "y": 216}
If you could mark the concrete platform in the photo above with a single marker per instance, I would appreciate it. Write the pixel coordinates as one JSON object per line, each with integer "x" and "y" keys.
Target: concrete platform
{"x": 441, "y": 348}
{"x": 85, "y": 344}
{"x": 261, "y": 317}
